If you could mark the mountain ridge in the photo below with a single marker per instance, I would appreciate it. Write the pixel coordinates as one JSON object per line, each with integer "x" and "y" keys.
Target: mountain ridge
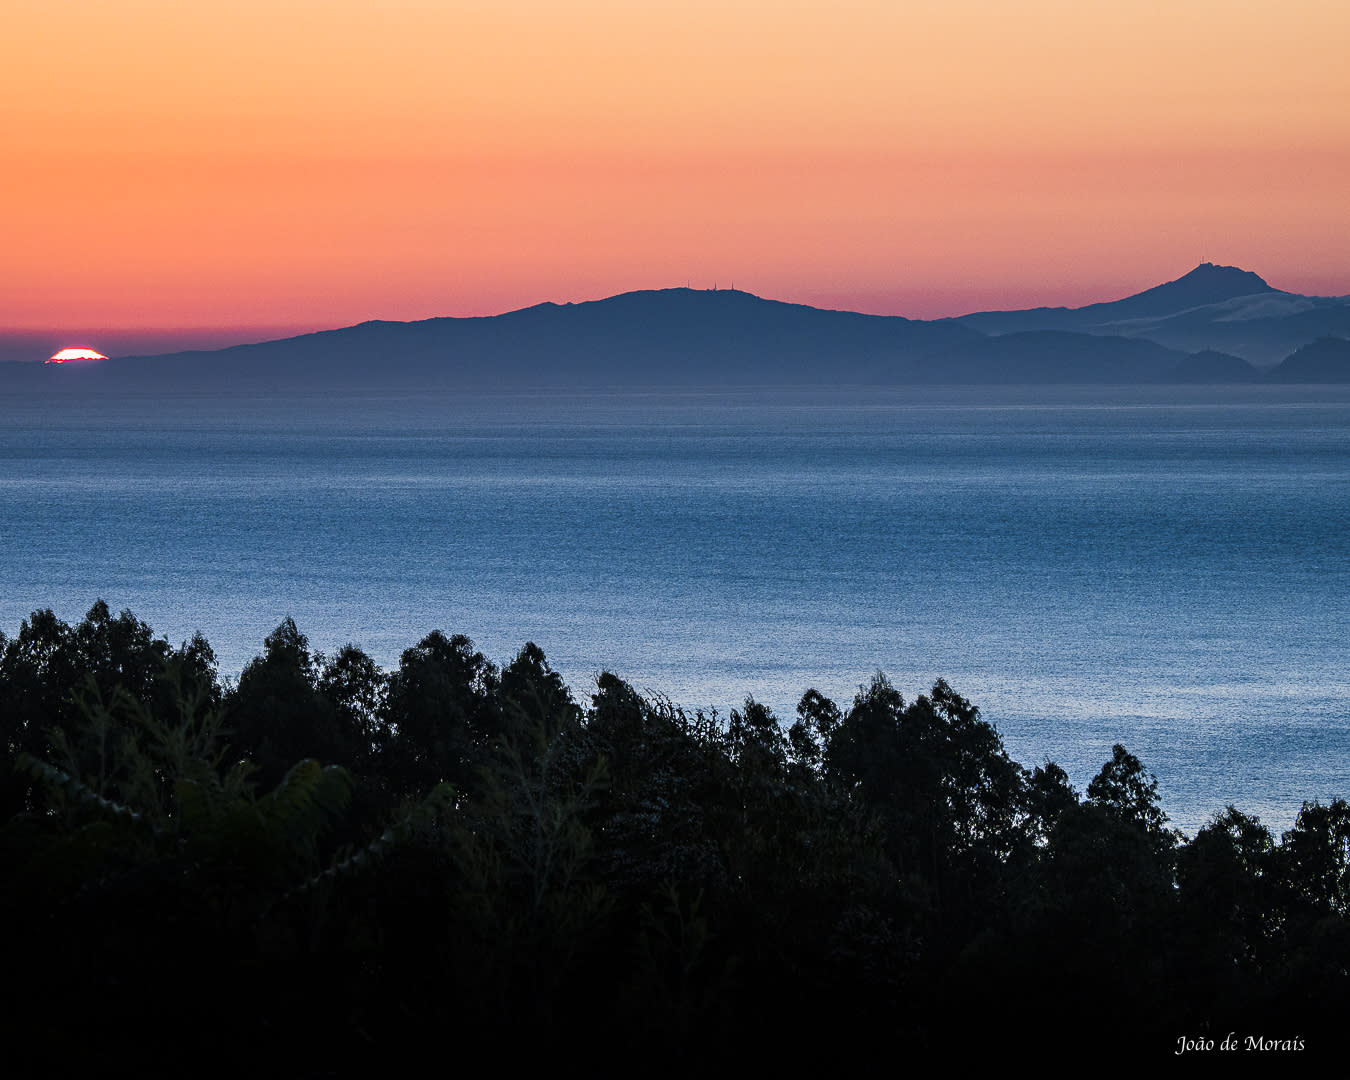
{"x": 1212, "y": 307}
{"x": 1214, "y": 319}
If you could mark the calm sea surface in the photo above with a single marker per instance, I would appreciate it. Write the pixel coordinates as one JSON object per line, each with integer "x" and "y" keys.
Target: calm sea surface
{"x": 1165, "y": 568}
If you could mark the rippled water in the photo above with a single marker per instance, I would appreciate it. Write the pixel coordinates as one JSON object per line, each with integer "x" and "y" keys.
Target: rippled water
{"x": 1168, "y": 569}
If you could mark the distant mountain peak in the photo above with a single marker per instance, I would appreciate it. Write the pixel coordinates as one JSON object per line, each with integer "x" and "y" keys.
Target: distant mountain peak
{"x": 1207, "y": 284}
{"x": 1240, "y": 282}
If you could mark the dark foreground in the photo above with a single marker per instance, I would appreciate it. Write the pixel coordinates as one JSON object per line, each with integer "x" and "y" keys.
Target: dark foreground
{"x": 330, "y": 868}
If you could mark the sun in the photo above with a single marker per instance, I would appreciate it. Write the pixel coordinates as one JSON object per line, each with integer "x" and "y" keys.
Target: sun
{"x": 66, "y": 355}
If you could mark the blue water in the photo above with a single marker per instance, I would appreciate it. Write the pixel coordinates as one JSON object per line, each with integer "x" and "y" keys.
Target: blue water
{"x": 1165, "y": 568}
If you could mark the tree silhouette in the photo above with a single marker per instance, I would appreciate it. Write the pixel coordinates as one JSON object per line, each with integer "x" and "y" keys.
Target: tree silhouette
{"x": 443, "y": 715}
{"x": 480, "y": 854}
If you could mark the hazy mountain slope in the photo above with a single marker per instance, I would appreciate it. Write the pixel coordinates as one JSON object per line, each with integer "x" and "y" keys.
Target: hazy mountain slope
{"x": 1210, "y": 366}
{"x": 1261, "y": 329}
{"x": 666, "y": 337}
{"x": 1322, "y": 361}
{"x": 1204, "y": 326}
{"x": 1051, "y": 356}
{"x": 1206, "y": 284}
{"x": 1212, "y": 307}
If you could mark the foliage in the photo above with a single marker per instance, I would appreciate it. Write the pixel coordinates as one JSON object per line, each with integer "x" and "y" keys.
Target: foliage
{"x": 483, "y": 853}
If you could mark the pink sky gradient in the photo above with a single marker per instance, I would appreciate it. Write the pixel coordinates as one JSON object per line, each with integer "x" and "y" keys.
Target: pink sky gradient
{"x": 314, "y": 164}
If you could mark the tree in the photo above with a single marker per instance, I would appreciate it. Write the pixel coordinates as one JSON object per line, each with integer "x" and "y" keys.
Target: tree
{"x": 1049, "y": 795}
{"x": 1127, "y": 789}
{"x": 443, "y": 714}
{"x": 534, "y": 699}
{"x": 353, "y": 684}
{"x": 810, "y": 733}
{"x": 277, "y": 714}
{"x": 861, "y": 748}
{"x": 49, "y": 668}
{"x": 1230, "y": 912}
{"x": 665, "y": 770}
{"x": 756, "y": 744}
{"x": 1315, "y": 857}
{"x": 937, "y": 774}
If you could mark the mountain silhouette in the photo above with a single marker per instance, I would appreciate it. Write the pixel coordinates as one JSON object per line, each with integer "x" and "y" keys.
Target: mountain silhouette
{"x": 1212, "y": 366}
{"x": 1210, "y": 324}
{"x": 1221, "y": 308}
{"x": 1050, "y": 356}
{"x": 667, "y": 337}
{"x": 1325, "y": 360}
{"x": 1206, "y": 284}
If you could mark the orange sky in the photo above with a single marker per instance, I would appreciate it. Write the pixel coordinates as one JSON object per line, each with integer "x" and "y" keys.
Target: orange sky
{"x": 305, "y": 163}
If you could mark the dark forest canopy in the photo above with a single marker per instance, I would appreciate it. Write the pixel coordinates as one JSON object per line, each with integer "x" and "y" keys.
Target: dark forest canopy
{"x": 351, "y": 865}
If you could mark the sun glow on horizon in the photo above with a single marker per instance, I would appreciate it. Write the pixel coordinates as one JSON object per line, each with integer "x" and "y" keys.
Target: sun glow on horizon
{"x": 64, "y": 356}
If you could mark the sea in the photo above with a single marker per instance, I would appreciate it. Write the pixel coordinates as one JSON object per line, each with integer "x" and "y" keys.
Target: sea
{"x": 1163, "y": 567}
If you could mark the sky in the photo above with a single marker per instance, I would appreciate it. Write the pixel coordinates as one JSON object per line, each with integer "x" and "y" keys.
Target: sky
{"x": 314, "y": 163}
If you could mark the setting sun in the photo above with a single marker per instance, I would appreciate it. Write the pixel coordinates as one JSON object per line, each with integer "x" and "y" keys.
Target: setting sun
{"x": 66, "y": 355}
